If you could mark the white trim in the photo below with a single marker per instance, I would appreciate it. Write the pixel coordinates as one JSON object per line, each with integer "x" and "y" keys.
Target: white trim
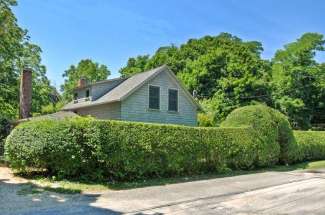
{"x": 148, "y": 105}
{"x": 177, "y": 90}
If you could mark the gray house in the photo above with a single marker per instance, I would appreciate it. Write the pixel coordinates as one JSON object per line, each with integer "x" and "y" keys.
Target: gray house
{"x": 153, "y": 96}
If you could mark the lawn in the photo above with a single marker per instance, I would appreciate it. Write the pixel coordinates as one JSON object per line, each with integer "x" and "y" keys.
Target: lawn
{"x": 70, "y": 186}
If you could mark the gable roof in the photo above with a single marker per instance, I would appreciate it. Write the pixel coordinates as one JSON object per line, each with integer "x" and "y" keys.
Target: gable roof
{"x": 127, "y": 87}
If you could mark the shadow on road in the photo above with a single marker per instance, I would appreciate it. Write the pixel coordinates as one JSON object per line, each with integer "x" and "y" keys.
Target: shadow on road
{"x": 24, "y": 198}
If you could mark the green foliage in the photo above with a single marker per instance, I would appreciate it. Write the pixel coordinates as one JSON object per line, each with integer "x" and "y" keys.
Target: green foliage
{"x": 4, "y": 131}
{"x": 311, "y": 145}
{"x": 135, "y": 65}
{"x": 298, "y": 80}
{"x": 272, "y": 132}
{"x": 87, "y": 69}
{"x": 52, "y": 108}
{"x": 223, "y": 68}
{"x": 17, "y": 52}
{"x": 230, "y": 73}
{"x": 124, "y": 150}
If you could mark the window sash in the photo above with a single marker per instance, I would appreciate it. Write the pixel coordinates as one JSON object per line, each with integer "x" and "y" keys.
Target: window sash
{"x": 154, "y": 97}
{"x": 172, "y": 100}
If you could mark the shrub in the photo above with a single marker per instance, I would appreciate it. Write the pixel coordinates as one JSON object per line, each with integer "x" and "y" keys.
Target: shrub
{"x": 311, "y": 145}
{"x": 272, "y": 132}
{"x": 125, "y": 150}
{"x": 4, "y": 131}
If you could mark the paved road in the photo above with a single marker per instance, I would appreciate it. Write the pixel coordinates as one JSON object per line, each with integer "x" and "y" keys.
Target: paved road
{"x": 264, "y": 193}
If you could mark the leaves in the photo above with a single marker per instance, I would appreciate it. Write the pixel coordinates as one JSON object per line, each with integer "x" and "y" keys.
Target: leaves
{"x": 17, "y": 52}
{"x": 87, "y": 69}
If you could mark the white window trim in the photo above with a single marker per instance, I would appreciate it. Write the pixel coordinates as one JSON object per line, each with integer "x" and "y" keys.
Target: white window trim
{"x": 177, "y": 100}
{"x": 149, "y": 97}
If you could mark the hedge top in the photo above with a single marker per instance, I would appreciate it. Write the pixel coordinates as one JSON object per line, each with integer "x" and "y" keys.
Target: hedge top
{"x": 272, "y": 129}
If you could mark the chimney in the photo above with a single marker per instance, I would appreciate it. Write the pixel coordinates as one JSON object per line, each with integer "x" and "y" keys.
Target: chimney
{"x": 25, "y": 103}
{"x": 82, "y": 82}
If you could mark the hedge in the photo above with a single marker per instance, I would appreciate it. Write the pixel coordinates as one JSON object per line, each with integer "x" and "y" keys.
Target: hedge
{"x": 123, "y": 150}
{"x": 311, "y": 145}
{"x": 250, "y": 137}
{"x": 272, "y": 130}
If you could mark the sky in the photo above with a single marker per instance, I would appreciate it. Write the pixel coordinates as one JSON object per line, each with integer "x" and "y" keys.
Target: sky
{"x": 109, "y": 32}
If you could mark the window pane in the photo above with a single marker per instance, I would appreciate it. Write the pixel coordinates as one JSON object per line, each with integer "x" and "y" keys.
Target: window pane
{"x": 172, "y": 100}
{"x": 154, "y": 94}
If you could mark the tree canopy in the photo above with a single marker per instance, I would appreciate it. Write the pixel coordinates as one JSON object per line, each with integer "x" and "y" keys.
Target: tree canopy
{"x": 223, "y": 69}
{"x": 227, "y": 72}
{"x": 88, "y": 69}
{"x": 298, "y": 80}
{"x": 17, "y": 52}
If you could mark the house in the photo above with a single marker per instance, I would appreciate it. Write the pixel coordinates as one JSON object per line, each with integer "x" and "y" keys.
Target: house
{"x": 152, "y": 96}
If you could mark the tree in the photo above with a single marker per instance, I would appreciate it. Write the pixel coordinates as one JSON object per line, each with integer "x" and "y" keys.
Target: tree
{"x": 135, "y": 65}
{"x": 222, "y": 69}
{"x": 298, "y": 80}
{"x": 87, "y": 69}
{"x": 17, "y": 52}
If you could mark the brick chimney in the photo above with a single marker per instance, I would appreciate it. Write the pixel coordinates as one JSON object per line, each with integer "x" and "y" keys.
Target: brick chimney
{"x": 82, "y": 82}
{"x": 25, "y": 103}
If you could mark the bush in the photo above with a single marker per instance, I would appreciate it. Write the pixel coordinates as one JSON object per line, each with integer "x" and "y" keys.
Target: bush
{"x": 311, "y": 145}
{"x": 4, "y": 131}
{"x": 125, "y": 150}
{"x": 272, "y": 132}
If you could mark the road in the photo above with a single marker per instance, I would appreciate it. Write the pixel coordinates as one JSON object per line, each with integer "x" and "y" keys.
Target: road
{"x": 296, "y": 192}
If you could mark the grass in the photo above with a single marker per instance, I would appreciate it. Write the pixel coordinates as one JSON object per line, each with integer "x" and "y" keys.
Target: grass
{"x": 42, "y": 183}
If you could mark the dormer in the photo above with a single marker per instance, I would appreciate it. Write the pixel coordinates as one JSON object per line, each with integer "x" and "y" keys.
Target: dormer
{"x": 90, "y": 92}
{"x": 82, "y": 92}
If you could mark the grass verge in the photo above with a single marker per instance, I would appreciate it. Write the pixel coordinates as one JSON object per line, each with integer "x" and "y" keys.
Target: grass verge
{"x": 72, "y": 187}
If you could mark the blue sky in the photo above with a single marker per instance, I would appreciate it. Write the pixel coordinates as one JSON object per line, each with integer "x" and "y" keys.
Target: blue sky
{"x": 110, "y": 32}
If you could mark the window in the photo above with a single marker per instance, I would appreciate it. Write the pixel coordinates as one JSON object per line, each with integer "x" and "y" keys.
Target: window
{"x": 154, "y": 97}
{"x": 172, "y": 100}
{"x": 75, "y": 96}
{"x": 87, "y": 93}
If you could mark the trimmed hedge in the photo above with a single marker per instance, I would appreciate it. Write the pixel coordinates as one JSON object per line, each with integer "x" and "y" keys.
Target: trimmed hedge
{"x": 84, "y": 147}
{"x": 272, "y": 130}
{"x": 311, "y": 145}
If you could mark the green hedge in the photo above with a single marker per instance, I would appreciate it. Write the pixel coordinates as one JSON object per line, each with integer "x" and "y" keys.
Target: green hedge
{"x": 272, "y": 130}
{"x": 250, "y": 137}
{"x": 311, "y": 145}
{"x": 123, "y": 150}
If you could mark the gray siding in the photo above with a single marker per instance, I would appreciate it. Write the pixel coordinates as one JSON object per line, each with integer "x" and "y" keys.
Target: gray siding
{"x": 135, "y": 107}
{"x": 97, "y": 90}
{"x": 100, "y": 89}
{"x": 105, "y": 111}
{"x": 82, "y": 93}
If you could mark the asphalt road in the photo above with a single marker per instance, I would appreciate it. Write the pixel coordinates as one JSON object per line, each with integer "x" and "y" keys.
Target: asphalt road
{"x": 295, "y": 192}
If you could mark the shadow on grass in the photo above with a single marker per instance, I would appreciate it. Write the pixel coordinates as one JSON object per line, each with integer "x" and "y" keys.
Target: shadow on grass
{"x": 77, "y": 186}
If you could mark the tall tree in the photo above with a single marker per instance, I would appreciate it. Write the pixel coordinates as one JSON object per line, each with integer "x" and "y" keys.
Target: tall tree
{"x": 222, "y": 69}
{"x": 16, "y": 52}
{"x": 87, "y": 69}
{"x": 298, "y": 80}
{"x": 135, "y": 65}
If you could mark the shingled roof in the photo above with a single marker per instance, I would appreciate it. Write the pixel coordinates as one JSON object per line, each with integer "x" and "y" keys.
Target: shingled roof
{"x": 123, "y": 90}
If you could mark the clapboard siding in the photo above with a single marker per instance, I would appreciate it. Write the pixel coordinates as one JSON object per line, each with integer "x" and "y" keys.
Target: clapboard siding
{"x": 135, "y": 107}
{"x": 105, "y": 111}
{"x": 101, "y": 89}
